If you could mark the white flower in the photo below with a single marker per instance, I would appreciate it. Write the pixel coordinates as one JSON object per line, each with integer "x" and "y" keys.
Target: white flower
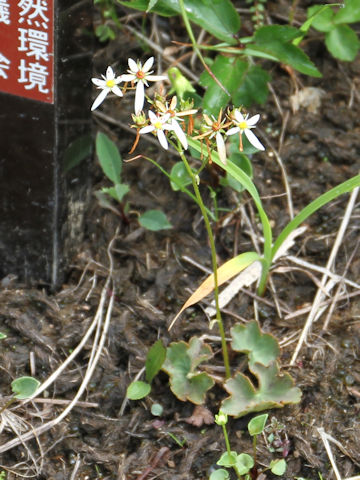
{"x": 243, "y": 125}
{"x": 214, "y": 128}
{"x": 158, "y": 125}
{"x": 175, "y": 117}
{"x": 107, "y": 84}
{"x": 140, "y": 75}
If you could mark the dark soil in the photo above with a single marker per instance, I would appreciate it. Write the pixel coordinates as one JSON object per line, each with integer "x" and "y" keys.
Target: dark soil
{"x": 104, "y": 437}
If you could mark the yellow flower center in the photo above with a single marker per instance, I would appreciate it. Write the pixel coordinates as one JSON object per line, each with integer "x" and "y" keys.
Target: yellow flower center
{"x": 110, "y": 83}
{"x": 158, "y": 125}
{"x": 140, "y": 74}
{"x": 243, "y": 125}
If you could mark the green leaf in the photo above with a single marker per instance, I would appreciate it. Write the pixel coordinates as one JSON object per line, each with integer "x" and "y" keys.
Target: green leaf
{"x": 157, "y": 409}
{"x": 253, "y": 88}
{"x": 350, "y": 13}
{"x": 275, "y": 390}
{"x": 229, "y": 71}
{"x": 322, "y": 18}
{"x": 243, "y": 162}
{"x": 278, "y": 467}
{"x": 137, "y": 390}
{"x": 260, "y": 347}
{"x": 181, "y": 364}
{"x": 276, "y": 40}
{"x": 151, "y": 5}
{"x": 244, "y": 463}
{"x": 109, "y": 157}
{"x": 319, "y": 202}
{"x": 218, "y": 17}
{"x": 154, "y": 220}
{"x": 117, "y": 192}
{"x": 343, "y": 43}
{"x": 77, "y": 151}
{"x": 24, "y": 387}
{"x": 179, "y": 177}
{"x": 219, "y": 474}
{"x": 257, "y": 424}
{"x": 227, "y": 459}
{"x": 2, "y": 336}
{"x": 154, "y": 360}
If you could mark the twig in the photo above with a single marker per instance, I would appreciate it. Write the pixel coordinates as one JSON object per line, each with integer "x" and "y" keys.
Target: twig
{"x": 325, "y": 438}
{"x": 315, "y": 311}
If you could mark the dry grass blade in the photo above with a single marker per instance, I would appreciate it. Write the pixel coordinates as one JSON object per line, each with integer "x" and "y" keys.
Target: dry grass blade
{"x": 326, "y": 284}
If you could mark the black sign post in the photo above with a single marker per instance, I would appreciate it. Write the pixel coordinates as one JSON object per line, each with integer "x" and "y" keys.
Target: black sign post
{"x": 45, "y": 92}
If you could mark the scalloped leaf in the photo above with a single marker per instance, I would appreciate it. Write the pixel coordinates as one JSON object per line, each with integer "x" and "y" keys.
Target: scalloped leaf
{"x": 181, "y": 364}
{"x": 275, "y": 390}
{"x": 24, "y": 387}
{"x": 260, "y": 347}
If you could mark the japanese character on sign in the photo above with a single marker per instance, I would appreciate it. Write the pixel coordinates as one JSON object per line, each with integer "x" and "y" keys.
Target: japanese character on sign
{"x": 37, "y": 76}
{"x": 37, "y": 43}
{"x": 34, "y": 10}
{"x": 4, "y": 65}
{"x": 4, "y": 12}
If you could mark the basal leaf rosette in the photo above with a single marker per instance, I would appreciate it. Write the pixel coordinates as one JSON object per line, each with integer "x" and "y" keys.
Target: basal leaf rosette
{"x": 273, "y": 390}
{"x": 260, "y": 347}
{"x": 181, "y": 363}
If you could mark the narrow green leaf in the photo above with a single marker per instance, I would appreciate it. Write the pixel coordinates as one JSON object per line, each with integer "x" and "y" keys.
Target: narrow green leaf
{"x": 109, "y": 157}
{"x": 257, "y": 424}
{"x": 154, "y": 220}
{"x": 138, "y": 390}
{"x": 343, "y": 43}
{"x": 319, "y": 202}
{"x": 154, "y": 360}
{"x": 24, "y": 387}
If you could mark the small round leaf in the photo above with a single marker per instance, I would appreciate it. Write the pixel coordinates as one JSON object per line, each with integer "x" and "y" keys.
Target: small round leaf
{"x": 24, "y": 387}
{"x": 137, "y": 390}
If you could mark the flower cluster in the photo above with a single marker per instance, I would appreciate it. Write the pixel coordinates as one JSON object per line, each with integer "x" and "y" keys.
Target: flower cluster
{"x": 169, "y": 117}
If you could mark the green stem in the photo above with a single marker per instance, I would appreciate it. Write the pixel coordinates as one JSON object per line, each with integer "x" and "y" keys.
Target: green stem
{"x": 214, "y": 262}
{"x": 227, "y": 443}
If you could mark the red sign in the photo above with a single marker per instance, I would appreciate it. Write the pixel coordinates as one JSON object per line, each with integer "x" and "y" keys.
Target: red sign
{"x": 27, "y": 48}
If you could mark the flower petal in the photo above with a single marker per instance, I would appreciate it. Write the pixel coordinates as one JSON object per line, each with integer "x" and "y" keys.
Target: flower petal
{"x": 133, "y": 65}
{"x": 253, "y": 139}
{"x": 221, "y": 147}
{"x": 253, "y": 120}
{"x": 115, "y": 89}
{"x": 153, "y": 118}
{"x": 128, "y": 77}
{"x": 232, "y": 131}
{"x": 239, "y": 116}
{"x": 147, "y": 129}
{"x": 156, "y": 78}
{"x": 139, "y": 98}
{"x": 148, "y": 64}
{"x": 180, "y": 134}
{"x": 100, "y": 98}
{"x": 98, "y": 82}
{"x": 162, "y": 139}
{"x": 110, "y": 74}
